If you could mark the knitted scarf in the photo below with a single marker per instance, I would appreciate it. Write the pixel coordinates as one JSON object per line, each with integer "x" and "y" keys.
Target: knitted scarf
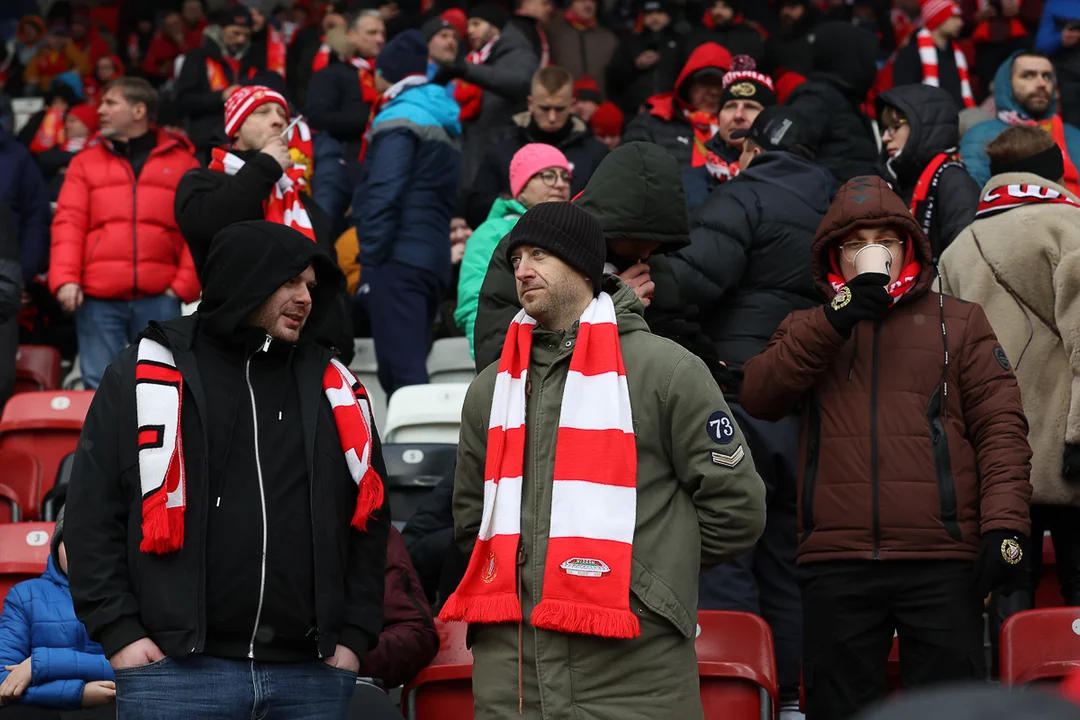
{"x": 705, "y": 126}
{"x": 469, "y": 97}
{"x": 283, "y": 205}
{"x": 322, "y": 57}
{"x": 159, "y": 392}
{"x": 366, "y": 77}
{"x": 720, "y": 169}
{"x": 1008, "y": 197}
{"x": 593, "y": 496}
{"x": 908, "y": 276}
{"x": 275, "y": 50}
{"x": 51, "y": 131}
{"x": 928, "y": 54}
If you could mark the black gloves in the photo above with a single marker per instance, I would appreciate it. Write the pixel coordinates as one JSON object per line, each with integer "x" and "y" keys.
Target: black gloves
{"x": 864, "y": 298}
{"x": 448, "y": 72}
{"x": 1001, "y": 564}
{"x": 1070, "y": 465}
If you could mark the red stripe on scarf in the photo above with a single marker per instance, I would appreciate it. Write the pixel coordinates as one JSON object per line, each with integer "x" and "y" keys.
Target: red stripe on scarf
{"x": 276, "y": 208}
{"x": 928, "y": 57}
{"x": 1008, "y": 197}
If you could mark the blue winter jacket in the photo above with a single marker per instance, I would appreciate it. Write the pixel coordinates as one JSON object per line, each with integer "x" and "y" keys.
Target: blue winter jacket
{"x": 24, "y": 191}
{"x": 409, "y": 183}
{"x": 973, "y": 144}
{"x": 39, "y": 623}
{"x": 1048, "y": 39}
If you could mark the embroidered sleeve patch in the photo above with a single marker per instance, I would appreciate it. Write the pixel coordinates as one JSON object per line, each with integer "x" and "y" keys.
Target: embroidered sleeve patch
{"x": 729, "y": 461}
{"x": 1002, "y": 359}
{"x": 721, "y": 428}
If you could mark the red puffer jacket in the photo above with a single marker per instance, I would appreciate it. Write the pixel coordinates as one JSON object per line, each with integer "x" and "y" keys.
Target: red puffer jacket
{"x": 117, "y": 237}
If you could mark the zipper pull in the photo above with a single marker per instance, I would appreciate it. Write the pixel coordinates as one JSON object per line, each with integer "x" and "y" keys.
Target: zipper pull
{"x": 266, "y": 343}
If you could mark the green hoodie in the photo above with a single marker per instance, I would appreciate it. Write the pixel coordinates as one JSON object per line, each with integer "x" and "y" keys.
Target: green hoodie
{"x": 474, "y": 265}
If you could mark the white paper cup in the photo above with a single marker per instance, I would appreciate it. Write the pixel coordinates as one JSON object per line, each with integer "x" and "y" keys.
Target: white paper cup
{"x": 873, "y": 259}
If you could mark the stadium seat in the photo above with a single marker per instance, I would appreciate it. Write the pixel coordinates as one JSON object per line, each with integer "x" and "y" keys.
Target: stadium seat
{"x": 1040, "y": 645}
{"x": 20, "y": 473}
{"x": 46, "y": 425}
{"x": 73, "y": 380}
{"x": 10, "y": 512}
{"x": 737, "y": 666}
{"x": 450, "y": 361}
{"x": 412, "y": 470}
{"x": 37, "y": 367}
{"x": 24, "y": 551}
{"x": 443, "y": 690}
{"x": 425, "y": 414}
{"x": 365, "y": 367}
{"x": 57, "y": 495}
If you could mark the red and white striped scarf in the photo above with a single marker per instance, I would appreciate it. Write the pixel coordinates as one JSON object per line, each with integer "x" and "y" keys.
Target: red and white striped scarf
{"x": 468, "y": 96}
{"x": 593, "y": 497}
{"x": 928, "y": 55}
{"x": 283, "y": 206}
{"x": 159, "y": 392}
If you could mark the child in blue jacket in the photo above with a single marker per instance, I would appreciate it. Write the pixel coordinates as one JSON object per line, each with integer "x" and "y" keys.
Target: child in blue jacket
{"x": 47, "y": 658}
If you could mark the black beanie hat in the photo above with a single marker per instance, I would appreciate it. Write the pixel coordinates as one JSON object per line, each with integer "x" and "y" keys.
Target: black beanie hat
{"x": 490, "y": 13}
{"x": 57, "y": 536}
{"x": 566, "y": 231}
{"x": 744, "y": 82}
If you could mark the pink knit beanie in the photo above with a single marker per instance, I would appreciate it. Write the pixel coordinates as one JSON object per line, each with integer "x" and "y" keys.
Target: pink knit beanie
{"x": 530, "y": 160}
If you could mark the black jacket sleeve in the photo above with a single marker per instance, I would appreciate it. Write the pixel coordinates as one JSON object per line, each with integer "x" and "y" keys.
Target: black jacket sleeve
{"x": 333, "y": 108}
{"x": 365, "y": 579}
{"x": 486, "y": 186}
{"x": 907, "y": 68}
{"x": 193, "y": 93}
{"x": 497, "y": 307}
{"x": 621, "y": 71}
{"x": 96, "y": 525}
{"x": 207, "y": 201}
{"x": 958, "y": 199}
{"x": 715, "y": 260}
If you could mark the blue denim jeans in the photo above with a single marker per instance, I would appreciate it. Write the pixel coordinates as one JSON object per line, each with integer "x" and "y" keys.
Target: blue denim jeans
{"x": 105, "y": 327}
{"x": 199, "y": 687}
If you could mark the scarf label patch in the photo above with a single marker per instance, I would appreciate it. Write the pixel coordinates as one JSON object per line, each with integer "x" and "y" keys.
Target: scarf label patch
{"x": 491, "y": 568}
{"x": 585, "y": 567}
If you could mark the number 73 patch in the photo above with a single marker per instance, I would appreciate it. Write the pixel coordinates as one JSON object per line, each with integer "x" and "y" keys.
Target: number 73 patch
{"x": 729, "y": 461}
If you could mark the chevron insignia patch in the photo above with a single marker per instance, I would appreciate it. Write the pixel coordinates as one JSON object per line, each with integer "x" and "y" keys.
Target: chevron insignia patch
{"x": 731, "y": 460}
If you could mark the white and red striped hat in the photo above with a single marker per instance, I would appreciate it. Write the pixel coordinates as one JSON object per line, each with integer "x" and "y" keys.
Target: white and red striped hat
{"x": 244, "y": 101}
{"x": 935, "y": 12}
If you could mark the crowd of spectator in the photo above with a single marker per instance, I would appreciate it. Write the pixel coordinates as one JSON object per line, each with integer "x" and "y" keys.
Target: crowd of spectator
{"x": 737, "y": 154}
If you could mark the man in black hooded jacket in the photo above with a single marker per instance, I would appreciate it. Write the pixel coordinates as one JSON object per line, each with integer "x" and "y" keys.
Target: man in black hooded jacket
{"x": 845, "y": 65}
{"x": 638, "y": 198}
{"x": 266, "y": 587}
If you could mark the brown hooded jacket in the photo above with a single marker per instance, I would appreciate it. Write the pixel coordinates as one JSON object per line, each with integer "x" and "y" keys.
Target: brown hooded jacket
{"x": 889, "y": 471}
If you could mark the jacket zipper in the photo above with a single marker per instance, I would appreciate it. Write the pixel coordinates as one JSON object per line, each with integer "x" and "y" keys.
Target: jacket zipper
{"x": 810, "y": 476}
{"x": 874, "y": 442}
{"x": 262, "y": 493}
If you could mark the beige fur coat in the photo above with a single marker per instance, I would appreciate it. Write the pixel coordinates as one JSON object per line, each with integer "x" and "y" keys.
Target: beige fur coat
{"x": 1035, "y": 250}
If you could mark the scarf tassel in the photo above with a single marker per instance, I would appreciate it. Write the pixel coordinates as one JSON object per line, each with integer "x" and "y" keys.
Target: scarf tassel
{"x": 493, "y": 608}
{"x": 572, "y": 617}
{"x": 162, "y": 527}
{"x": 368, "y": 500}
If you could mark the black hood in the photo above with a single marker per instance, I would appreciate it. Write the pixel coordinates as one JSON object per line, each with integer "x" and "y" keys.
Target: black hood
{"x": 637, "y": 193}
{"x": 845, "y": 55}
{"x": 248, "y": 261}
{"x": 803, "y": 178}
{"x": 932, "y": 116}
{"x": 975, "y": 702}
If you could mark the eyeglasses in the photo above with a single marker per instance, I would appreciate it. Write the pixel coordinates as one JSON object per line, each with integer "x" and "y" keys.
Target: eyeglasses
{"x": 851, "y": 248}
{"x": 550, "y": 177}
{"x": 894, "y": 128}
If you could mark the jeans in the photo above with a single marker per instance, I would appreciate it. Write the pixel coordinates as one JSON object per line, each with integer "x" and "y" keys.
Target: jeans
{"x": 105, "y": 327}
{"x": 762, "y": 581}
{"x": 199, "y": 687}
{"x": 850, "y": 612}
{"x": 401, "y": 302}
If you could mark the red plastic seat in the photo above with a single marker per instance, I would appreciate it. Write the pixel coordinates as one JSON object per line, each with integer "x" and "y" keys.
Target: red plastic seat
{"x": 37, "y": 367}
{"x": 20, "y": 475}
{"x": 1039, "y": 645}
{"x": 9, "y": 505}
{"x": 443, "y": 690}
{"x": 24, "y": 551}
{"x": 46, "y": 425}
{"x": 737, "y": 666}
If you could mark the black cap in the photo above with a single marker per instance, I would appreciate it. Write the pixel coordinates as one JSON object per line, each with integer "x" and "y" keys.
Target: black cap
{"x": 656, "y": 6}
{"x": 434, "y": 26}
{"x": 775, "y": 128}
{"x": 235, "y": 15}
{"x": 566, "y": 231}
{"x": 490, "y": 13}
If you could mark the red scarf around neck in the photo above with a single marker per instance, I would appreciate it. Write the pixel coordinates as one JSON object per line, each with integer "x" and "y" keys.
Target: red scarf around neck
{"x": 928, "y": 56}
{"x": 579, "y": 23}
{"x": 705, "y": 126}
{"x": 469, "y": 97}
{"x": 1009, "y": 197}
{"x": 283, "y": 206}
{"x": 907, "y": 279}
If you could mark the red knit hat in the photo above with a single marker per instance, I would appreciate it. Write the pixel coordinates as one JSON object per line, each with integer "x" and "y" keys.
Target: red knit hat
{"x": 585, "y": 88}
{"x": 86, "y": 115}
{"x": 936, "y": 12}
{"x": 456, "y": 17}
{"x": 244, "y": 101}
{"x": 607, "y": 120}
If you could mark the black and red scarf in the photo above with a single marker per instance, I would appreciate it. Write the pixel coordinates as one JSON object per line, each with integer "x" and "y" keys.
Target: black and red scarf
{"x": 1008, "y": 197}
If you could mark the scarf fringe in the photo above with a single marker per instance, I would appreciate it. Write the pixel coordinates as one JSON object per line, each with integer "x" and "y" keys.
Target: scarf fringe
{"x": 162, "y": 528}
{"x": 572, "y": 617}
{"x": 369, "y": 499}
{"x": 500, "y": 608}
